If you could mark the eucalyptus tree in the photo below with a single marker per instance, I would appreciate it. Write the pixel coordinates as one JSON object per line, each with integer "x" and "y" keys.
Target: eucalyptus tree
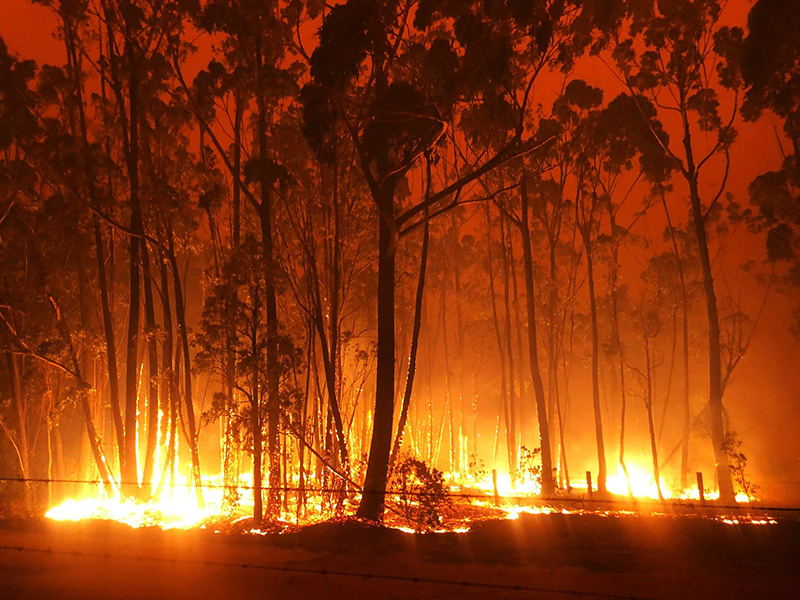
{"x": 771, "y": 72}
{"x": 18, "y": 139}
{"x": 677, "y": 55}
{"x": 398, "y": 74}
{"x": 261, "y": 73}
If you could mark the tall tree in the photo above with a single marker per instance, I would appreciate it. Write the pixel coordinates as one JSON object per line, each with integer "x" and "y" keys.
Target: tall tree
{"x": 680, "y": 57}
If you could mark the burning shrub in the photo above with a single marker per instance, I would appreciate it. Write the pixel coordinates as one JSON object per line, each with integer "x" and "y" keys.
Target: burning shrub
{"x": 423, "y": 497}
{"x": 737, "y": 464}
{"x": 530, "y": 464}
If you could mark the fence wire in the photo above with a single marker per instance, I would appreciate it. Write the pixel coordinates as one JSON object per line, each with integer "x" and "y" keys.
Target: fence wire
{"x": 487, "y": 496}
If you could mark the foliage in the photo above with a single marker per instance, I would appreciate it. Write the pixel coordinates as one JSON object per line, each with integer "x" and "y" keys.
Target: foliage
{"x": 422, "y": 492}
{"x": 530, "y": 464}
{"x": 738, "y": 466}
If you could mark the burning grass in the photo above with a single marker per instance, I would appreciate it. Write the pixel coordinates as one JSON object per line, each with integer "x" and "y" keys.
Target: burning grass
{"x": 422, "y": 500}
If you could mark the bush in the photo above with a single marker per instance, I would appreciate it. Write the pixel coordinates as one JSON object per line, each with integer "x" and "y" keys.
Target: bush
{"x": 423, "y": 495}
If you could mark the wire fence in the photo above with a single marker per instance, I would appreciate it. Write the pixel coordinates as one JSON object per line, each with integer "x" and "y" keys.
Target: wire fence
{"x": 321, "y": 572}
{"x": 488, "y": 496}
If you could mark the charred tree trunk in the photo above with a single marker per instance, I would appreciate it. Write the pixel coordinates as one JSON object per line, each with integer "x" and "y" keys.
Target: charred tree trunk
{"x": 255, "y": 419}
{"x": 513, "y": 441}
{"x": 180, "y": 317}
{"x": 460, "y": 347}
{"x": 130, "y": 470}
{"x": 273, "y": 369}
{"x": 548, "y": 485}
{"x": 650, "y": 423}
{"x": 687, "y": 415}
{"x": 372, "y": 500}
{"x": 108, "y": 331}
{"x": 501, "y": 350}
{"x": 412, "y": 357}
{"x": 598, "y": 418}
{"x": 726, "y": 492}
{"x": 153, "y": 374}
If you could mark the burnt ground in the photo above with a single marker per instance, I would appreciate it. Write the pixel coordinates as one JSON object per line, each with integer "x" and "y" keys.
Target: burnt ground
{"x": 535, "y": 556}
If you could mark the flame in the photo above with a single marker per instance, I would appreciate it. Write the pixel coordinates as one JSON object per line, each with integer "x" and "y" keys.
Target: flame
{"x": 176, "y": 508}
{"x": 642, "y": 484}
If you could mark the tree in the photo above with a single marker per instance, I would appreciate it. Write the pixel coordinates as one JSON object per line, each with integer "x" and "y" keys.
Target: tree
{"x": 679, "y": 57}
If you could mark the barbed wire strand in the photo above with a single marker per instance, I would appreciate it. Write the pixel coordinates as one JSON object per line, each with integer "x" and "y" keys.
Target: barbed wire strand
{"x": 489, "y": 496}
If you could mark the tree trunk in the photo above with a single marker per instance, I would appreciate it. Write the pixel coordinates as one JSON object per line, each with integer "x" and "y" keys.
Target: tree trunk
{"x": 460, "y": 347}
{"x": 513, "y": 441}
{"x": 548, "y": 485}
{"x": 255, "y": 420}
{"x": 412, "y": 357}
{"x": 21, "y": 415}
{"x": 687, "y": 415}
{"x": 598, "y": 418}
{"x": 726, "y": 493}
{"x": 501, "y": 350}
{"x": 180, "y": 317}
{"x": 273, "y": 369}
{"x": 650, "y": 424}
{"x": 372, "y": 500}
{"x": 153, "y": 374}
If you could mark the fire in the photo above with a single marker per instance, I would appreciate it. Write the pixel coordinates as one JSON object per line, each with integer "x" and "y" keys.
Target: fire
{"x": 175, "y": 508}
{"x": 642, "y": 484}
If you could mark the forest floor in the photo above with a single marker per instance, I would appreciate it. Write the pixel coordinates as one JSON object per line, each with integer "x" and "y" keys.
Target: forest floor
{"x": 534, "y": 556}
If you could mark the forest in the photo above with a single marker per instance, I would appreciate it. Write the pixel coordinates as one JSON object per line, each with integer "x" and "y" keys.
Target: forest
{"x": 293, "y": 260}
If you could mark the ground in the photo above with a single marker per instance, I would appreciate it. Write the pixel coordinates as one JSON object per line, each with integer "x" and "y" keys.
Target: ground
{"x": 535, "y": 556}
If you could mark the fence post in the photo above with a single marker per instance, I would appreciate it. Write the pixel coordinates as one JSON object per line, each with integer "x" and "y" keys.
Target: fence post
{"x": 589, "y": 484}
{"x": 700, "y": 488}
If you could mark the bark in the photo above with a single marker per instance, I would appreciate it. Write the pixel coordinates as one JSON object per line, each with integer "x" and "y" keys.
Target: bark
{"x": 448, "y": 375}
{"x": 598, "y": 418}
{"x": 110, "y": 343}
{"x": 412, "y": 357}
{"x": 513, "y": 442}
{"x": 726, "y": 492}
{"x": 687, "y": 416}
{"x": 153, "y": 374}
{"x": 273, "y": 369}
{"x": 460, "y": 348}
{"x": 130, "y": 471}
{"x": 650, "y": 424}
{"x": 614, "y": 278}
{"x": 372, "y": 500}
{"x": 498, "y": 335}
{"x": 180, "y": 317}
{"x": 548, "y": 485}
{"x": 167, "y": 380}
{"x": 255, "y": 418}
